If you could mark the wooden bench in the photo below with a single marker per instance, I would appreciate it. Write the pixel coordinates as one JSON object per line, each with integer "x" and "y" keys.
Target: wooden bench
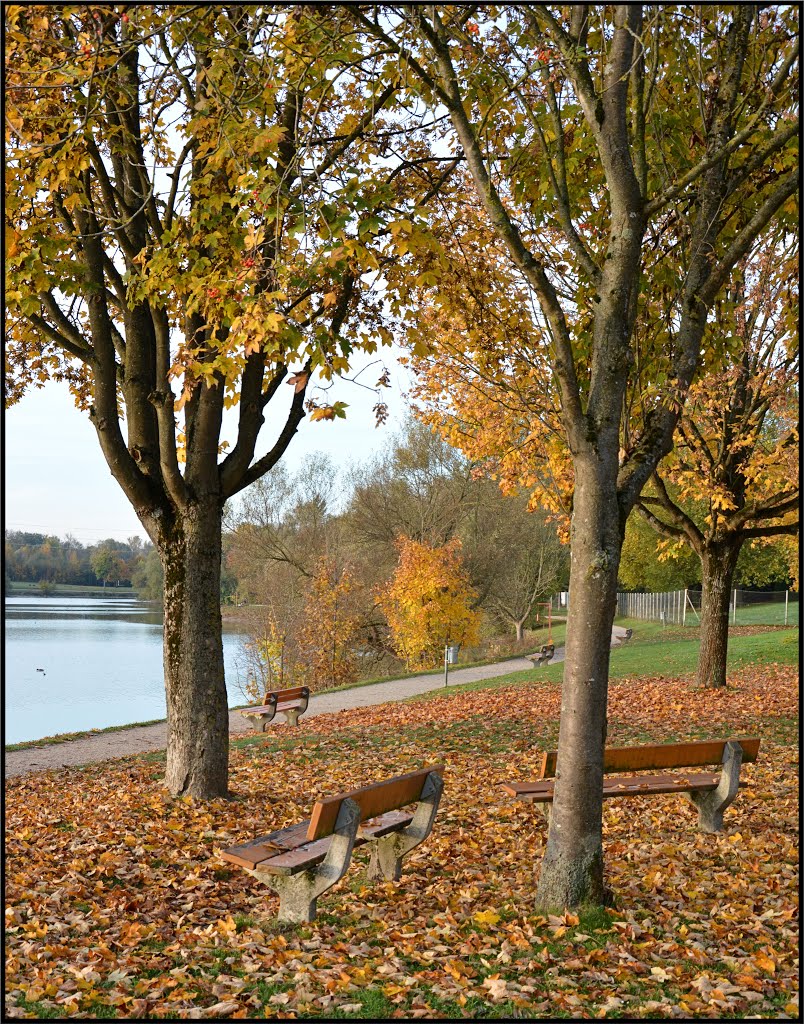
{"x": 545, "y": 654}
{"x": 710, "y": 792}
{"x": 292, "y": 702}
{"x": 303, "y": 861}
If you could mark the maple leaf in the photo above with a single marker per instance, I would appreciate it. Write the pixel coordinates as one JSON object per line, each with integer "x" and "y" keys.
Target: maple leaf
{"x": 299, "y": 381}
{"x": 765, "y": 963}
{"x": 497, "y": 987}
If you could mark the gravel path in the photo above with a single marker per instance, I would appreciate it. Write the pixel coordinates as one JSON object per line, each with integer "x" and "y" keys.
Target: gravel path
{"x": 122, "y": 742}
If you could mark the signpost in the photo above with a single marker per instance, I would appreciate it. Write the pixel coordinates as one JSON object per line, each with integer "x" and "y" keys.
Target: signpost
{"x": 450, "y": 658}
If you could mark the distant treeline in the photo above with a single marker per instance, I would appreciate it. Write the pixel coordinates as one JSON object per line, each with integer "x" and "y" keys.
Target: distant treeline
{"x": 40, "y": 558}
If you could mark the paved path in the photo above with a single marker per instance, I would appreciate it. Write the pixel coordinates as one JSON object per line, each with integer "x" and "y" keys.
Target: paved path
{"x": 121, "y": 742}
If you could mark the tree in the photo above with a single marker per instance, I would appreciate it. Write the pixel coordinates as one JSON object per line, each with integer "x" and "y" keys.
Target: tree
{"x": 615, "y": 151}
{"x": 531, "y": 562}
{"x": 273, "y": 626}
{"x": 105, "y": 564}
{"x": 418, "y": 486}
{"x": 428, "y": 602}
{"x": 194, "y": 203}
{"x": 285, "y": 517}
{"x": 330, "y": 629}
{"x": 645, "y": 566}
{"x": 733, "y": 475}
{"x": 147, "y": 577}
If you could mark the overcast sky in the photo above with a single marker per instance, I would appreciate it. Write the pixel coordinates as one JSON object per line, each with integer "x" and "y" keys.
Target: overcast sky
{"x": 57, "y": 481}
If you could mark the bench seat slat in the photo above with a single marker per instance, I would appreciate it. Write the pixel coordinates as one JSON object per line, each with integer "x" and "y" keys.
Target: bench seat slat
{"x": 541, "y": 790}
{"x": 383, "y": 824}
{"x": 287, "y": 851}
{"x": 263, "y": 709}
{"x": 248, "y": 855}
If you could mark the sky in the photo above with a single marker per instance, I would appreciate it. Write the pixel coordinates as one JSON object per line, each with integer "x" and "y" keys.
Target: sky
{"x": 57, "y": 481}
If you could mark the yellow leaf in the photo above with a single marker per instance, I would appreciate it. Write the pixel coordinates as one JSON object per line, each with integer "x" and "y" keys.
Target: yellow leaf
{"x": 765, "y": 963}
{"x": 497, "y": 987}
{"x": 487, "y": 918}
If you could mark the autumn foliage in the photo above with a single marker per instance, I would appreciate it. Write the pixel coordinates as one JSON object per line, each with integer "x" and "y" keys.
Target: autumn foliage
{"x": 428, "y": 602}
{"x": 328, "y": 637}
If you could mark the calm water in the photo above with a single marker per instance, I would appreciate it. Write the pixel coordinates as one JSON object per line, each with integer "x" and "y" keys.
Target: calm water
{"x": 102, "y": 661}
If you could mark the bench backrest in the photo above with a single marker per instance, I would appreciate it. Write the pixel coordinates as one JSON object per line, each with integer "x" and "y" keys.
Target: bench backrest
{"x": 664, "y": 755}
{"x": 293, "y": 693}
{"x": 372, "y": 800}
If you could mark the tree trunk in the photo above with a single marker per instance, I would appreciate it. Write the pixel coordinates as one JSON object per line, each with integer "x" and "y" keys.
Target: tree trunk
{"x": 572, "y": 868}
{"x": 717, "y": 566}
{"x": 520, "y": 633}
{"x": 197, "y": 707}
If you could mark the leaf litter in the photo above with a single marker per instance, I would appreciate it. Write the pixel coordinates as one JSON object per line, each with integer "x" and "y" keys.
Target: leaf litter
{"x": 117, "y": 903}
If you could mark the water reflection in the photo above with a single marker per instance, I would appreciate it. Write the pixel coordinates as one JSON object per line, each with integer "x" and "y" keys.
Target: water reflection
{"x": 87, "y": 663}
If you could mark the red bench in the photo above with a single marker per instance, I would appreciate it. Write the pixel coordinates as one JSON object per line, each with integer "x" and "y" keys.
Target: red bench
{"x": 710, "y": 792}
{"x": 292, "y": 702}
{"x": 303, "y": 861}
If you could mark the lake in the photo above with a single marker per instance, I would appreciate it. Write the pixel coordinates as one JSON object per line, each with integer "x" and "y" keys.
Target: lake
{"x": 102, "y": 662}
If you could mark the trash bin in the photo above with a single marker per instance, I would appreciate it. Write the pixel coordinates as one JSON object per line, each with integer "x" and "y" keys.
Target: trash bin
{"x": 452, "y": 654}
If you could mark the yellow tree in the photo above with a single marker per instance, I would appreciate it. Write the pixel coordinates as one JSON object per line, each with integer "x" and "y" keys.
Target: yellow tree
{"x": 428, "y": 602}
{"x": 194, "y": 204}
{"x": 328, "y": 638}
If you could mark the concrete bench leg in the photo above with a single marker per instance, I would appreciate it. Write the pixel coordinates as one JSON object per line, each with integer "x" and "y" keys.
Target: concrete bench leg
{"x": 298, "y": 894}
{"x": 292, "y": 715}
{"x": 713, "y": 803}
{"x": 387, "y": 852}
{"x": 261, "y": 720}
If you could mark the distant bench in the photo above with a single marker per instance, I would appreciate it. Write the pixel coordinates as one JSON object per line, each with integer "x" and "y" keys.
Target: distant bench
{"x": 626, "y": 636}
{"x": 292, "y": 702}
{"x": 711, "y": 793}
{"x": 302, "y": 861}
{"x": 545, "y": 654}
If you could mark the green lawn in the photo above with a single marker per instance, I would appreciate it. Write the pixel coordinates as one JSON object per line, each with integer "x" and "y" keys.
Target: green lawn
{"x": 664, "y": 652}
{"x": 770, "y": 613}
{"x": 64, "y": 589}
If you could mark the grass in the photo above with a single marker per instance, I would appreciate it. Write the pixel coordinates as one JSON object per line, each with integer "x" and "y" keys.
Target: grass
{"x": 766, "y": 613}
{"x": 68, "y": 589}
{"x": 678, "y": 657}
{"x": 66, "y": 737}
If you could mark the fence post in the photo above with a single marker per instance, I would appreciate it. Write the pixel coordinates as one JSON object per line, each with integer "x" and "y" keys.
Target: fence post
{"x": 786, "y": 595}
{"x": 734, "y": 612}
{"x": 684, "y": 609}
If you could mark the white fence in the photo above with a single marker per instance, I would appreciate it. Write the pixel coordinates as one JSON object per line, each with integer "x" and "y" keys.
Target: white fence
{"x": 683, "y": 607}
